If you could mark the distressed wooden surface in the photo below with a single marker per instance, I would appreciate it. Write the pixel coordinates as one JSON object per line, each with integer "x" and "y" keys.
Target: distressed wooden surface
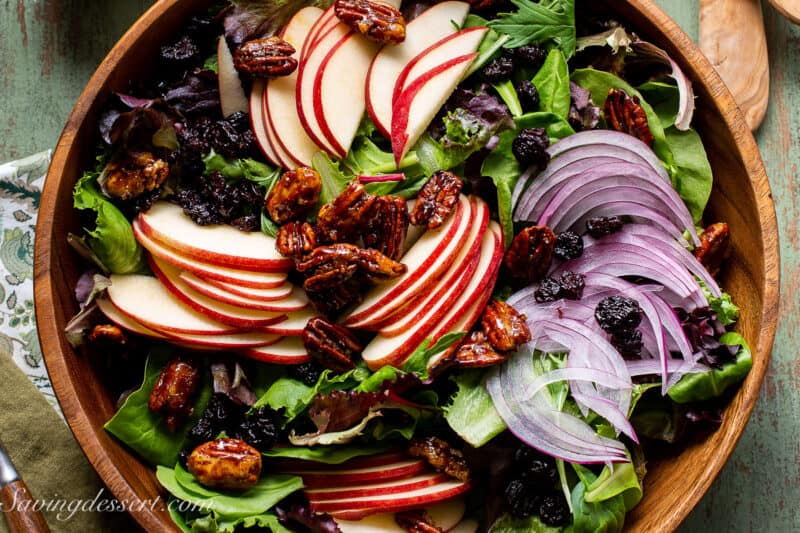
{"x": 49, "y": 48}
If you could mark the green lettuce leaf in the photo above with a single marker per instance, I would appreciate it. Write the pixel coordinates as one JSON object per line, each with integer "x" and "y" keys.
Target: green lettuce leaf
{"x": 334, "y": 181}
{"x": 418, "y": 360}
{"x": 471, "y": 412}
{"x": 234, "y": 169}
{"x": 545, "y": 22}
{"x": 552, "y": 82}
{"x": 532, "y": 524}
{"x": 211, "y": 523}
{"x": 327, "y": 455}
{"x": 490, "y": 46}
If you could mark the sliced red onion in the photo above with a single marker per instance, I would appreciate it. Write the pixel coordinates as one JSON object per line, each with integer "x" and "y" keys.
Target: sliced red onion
{"x": 606, "y": 379}
{"x": 615, "y": 138}
{"x": 382, "y": 178}
{"x": 608, "y": 410}
{"x": 645, "y": 50}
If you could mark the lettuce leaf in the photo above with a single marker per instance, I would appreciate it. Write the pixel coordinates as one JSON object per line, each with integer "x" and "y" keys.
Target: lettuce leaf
{"x": 471, "y": 412}
{"x": 552, "y": 82}
{"x": 549, "y": 22}
{"x": 327, "y": 455}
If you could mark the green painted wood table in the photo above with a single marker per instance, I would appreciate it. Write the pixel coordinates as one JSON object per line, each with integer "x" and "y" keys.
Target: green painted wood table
{"x": 49, "y": 48}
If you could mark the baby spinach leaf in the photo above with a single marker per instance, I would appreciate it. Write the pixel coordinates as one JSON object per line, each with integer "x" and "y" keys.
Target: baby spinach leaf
{"x": 143, "y": 431}
{"x": 490, "y": 45}
{"x": 692, "y": 178}
{"x": 663, "y": 97}
{"x": 471, "y": 412}
{"x": 544, "y": 22}
{"x": 552, "y": 82}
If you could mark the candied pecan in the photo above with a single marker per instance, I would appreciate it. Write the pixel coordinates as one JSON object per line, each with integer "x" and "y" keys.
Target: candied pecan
{"x": 107, "y": 336}
{"x": 714, "y": 246}
{"x": 623, "y": 113}
{"x": 374, "y": 19}
{"x": 531, "y": 253}
{"x": 342, "y": 219}
{"x": 387, "y": 226}
{"x": 135, "y": 174}
{"x": 265, "y": 58}
{"x": 416, "y": 521}
{"x": 441, "y": 456}
{"x": 332, "y": 346}
{"x": 293, "y": 195}
{"x": 436, "y": 200}
{"x": 295, "y": 240}
{"x": 333, "y": 264}
{"x": 504, "y": 326}
{"x": 476, "y": 352}
{"x": 174, "y": 392}
{"x": 228, "y": 464}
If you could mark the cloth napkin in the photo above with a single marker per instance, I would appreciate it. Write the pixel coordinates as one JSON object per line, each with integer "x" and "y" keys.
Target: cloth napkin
{"x": 31, "y": 428}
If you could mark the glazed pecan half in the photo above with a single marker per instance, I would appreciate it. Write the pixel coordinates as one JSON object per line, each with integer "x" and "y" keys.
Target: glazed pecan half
{"x": 135, "y": 174}
{"x": 476, "y": 352}
{"x": 174, "y": 392}
{"x": 331, "y": 345}
{"x": 296, "y": 240}
{"x": 504, "y": 326}
{"x": 623, "y": 113}
{"x": 387, "y": 226}
{"x": 336, "y": 263}
{"x": 265, "y": 58}
{"x": 441, "y": 456}
{"x": 377, "y": 21}
{"x": 714, "y": 247}
{"x": 416, "y": 521}
{"x": 107, "y": 336}
{"x": 293, "y": 195}
{"x": 436, "y": 200}
{"x": 228, "y": 464}
{"x": 531, "y": 253}
{"x": 343, "y": 218}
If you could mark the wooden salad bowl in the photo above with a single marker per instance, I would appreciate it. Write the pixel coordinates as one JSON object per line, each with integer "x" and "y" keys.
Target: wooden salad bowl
{"x": 741, "y": 197}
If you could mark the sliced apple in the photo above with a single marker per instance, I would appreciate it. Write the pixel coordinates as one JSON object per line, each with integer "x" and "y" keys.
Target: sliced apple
{"x": 320, "y": 28}
{"x": 146, "y": 300}
{"x": 430, "y": 26}
{"x": 220, "y": 245}
{"x": 255, "y": 281}
{"x": 355, "y": 508}
{"x": 453, "y": 45}
{"x": 339, "y": 89}
{"x": 419, "y": 102}
{"x": 266, "y": 294}
{"x": 322, "y": 477}
{"x": 294, "y": 300}
{"x": 395, "y": 350}
{"x": 124, "y": 321}
{"x": 258, "y": 121}
{"x": 228, "y": 341}
{"x": 231, "y": 94}
{"x": 430, "y": 256}
{"x": 386, "y": 487}
{"x": 234, "y": 315}
{"x": 446, "y": 516}
{"x": 452, "y": 281}
{"x": 294, "y": 324}
{"x": 286, "y": 351}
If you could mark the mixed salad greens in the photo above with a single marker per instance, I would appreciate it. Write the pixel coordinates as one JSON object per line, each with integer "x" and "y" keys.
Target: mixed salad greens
{"x": 557, "y": 434}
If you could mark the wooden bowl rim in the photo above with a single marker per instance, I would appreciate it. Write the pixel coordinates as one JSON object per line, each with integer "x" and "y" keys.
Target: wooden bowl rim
{"x": 685, "y": 52}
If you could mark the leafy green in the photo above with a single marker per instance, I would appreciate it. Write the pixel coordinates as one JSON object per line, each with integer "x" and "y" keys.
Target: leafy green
{"x": 692, "y": 178}
{"x": 373, "y": 382}
{"x": 510, "y": 97}
{"x": 418, "y": 360}
{"x": 471, "y": 412}
{"x": 589, "y": 517}
{"x": 503, "y": 168}
{"x": 532, "y": 524}
{"x": 234, "y": 169}
{"x": 623, "y": 480}
{"x": 367, "y": 159}
{"x": 545, "y": 22}
{"x": 434, "y": 156}
{"x": 490, "y": 46}
{"x": 211, "y": 523}
{"x": 268, "y": 227}
{"x": 727, "y": 311}
{"x": 333, "y": 179}
{"x": 663, "y": 97}
{"x": 211, "y": 63}
{"x": 264, "y": 495}
{"x": 328, "y": 455}
{"x": 143, "y": 431}
{"x": 552, "y": 82}
{"x": 557, "y": 127}
{"x": 698, "y": 387}
{"x": 111, "y": 239}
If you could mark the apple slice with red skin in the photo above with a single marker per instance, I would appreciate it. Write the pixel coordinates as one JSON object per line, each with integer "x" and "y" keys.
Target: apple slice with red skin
{"x": 320, "y": 28}
{"x": 266, "y": 294}
{"x": 454, "y": 45}
{"x": 355, "y": 508}
{"x": 456, "y": 276}
{"x": 321, "y": 477}
{"x": 219, "y": 245}
{"x": 239, "y": 278}
{"x": 146, "y": 300}
{"x": 258, "y": 122}
{"x": 221, "y": 312}
{"x": 394, "y": 486}
{"x": 124, "y": 321}
{"x": 294, "y": 324}
{"x": 426, "y": 261}
{"x": 231, "y": 93}
{"x": 229, "y": 341}
{"x": 446, "y": 516}
{"x": 294, "y": 300}
{"x": 430, "y": 26}
{"x": 395, "y": 350}
{"x": 286, "y": 351}
{"x": 419, "y": 102}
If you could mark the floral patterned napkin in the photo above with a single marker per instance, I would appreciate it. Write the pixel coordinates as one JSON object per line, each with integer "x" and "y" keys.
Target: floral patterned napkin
{"x": 20, "y": 190}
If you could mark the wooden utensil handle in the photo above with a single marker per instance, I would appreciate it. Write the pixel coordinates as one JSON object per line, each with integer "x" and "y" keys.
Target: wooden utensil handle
{"x": 19, "y": 509}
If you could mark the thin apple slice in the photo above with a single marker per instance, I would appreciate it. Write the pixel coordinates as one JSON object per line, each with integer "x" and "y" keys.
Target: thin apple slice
{"x": 146, "y": 300}
{"x": 220, "y": 245}
{"x": 250, "y": 279}
{"x": 287, "y": 351}
{"x": 339, "y": 89}
{"x": 354, "y": 508}
{"x": 258, "y": 121}
{"x": 446, "y": 516}
{"x": 280, "y": 96}
{"x": 321, "y": 477}
{"x": 454, "y": 45}
{"x": 229, "y": 341}
{"x": 234, "y": 315}
{"x": 268, "y": 293}
{"x": 426, "y": 260}
{"x": 231, "y": 94}
{"x": 430, "y": 26}
{"x": 386, "y": 487}
{"x": 306, "y": 74}
{"x": 294, "y": 324}
{"x": 452, "y": 281}
{"x": 422, "y": 99}
{"x": 294, "y": 300}
{"x": 395, "y": 350}
{"x": 124, "y": 321}
{"x": 320, "y": 28}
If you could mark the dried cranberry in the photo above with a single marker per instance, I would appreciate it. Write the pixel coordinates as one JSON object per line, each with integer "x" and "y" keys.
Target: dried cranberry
{"x": 530, "y": 147}
{"x": 628, "y": 343}
{"x": 522, "y": 501}
{"x": 530, "y": 56}
{"x": 182, "y": 54}
{"x": 308, "y": 373}
{"x": 528, "y": 95}
{"x": 498, "y": 70}
{"x": 553, "y": 509}
{"x": 569, "y": 245}
{"x": 602, "y": 226}
{"x": 572, "y": 285}
{"x": 618, "y": 313}
{"x": 549, "y": 290}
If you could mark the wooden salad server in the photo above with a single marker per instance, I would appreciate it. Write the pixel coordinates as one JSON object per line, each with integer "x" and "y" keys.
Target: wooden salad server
{"x": 17, "y": 503}
{"x": 788, "y": 8}
{"x": 732, "y": 37}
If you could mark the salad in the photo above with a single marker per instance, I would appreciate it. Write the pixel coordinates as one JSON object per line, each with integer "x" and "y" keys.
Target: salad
{"x": 438, "y": 266}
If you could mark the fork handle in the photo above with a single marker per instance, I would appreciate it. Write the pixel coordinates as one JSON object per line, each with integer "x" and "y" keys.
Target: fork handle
{"x": 19, "y": 509}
